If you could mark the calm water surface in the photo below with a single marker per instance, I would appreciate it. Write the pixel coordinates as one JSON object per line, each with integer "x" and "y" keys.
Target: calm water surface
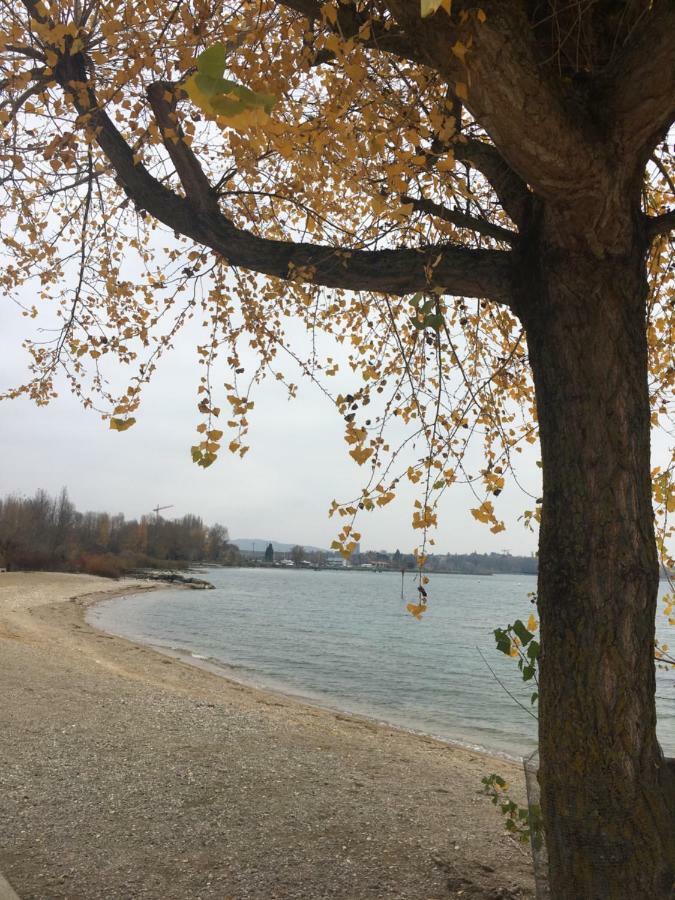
{"x": 344, "y": 639}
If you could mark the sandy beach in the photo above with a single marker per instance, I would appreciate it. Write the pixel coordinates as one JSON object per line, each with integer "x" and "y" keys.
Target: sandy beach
{"x": 128, "y": 774}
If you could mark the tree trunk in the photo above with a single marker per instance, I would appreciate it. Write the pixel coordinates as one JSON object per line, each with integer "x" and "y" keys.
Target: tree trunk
{"x": 607, "y": 796}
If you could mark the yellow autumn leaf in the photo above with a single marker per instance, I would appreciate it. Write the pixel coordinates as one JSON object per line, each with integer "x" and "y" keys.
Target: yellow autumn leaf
{"x": 417, "y": 609}
{"x": 460, "y": 50}
{"x": 385, "y": 498}
{"x": 122, "y": 424}
{"x": 330, "y": 13}
{"x": 484, "y": 513}
{"x": 361, "y": 454}
{"x": 429, "y": 7}
{"x": 532, "y": 623}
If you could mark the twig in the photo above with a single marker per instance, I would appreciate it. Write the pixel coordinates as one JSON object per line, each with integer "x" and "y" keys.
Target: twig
{"x": 503, "y": 686}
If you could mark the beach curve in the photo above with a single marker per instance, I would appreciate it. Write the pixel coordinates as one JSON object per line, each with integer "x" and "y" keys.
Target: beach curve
{"x": 126, "y": 773}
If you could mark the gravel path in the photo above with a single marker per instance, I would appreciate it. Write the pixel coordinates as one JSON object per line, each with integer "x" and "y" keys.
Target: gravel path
{"x": 126, "y": 774}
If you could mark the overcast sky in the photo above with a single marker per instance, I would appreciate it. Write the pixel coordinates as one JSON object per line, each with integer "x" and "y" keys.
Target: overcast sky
{"x": 297, "y": 464}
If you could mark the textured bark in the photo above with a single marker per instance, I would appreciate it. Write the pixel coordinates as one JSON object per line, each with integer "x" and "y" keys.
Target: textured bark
{"x": 607, "y": 796}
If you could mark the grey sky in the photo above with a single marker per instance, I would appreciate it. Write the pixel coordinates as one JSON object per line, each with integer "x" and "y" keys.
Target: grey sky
{"x": 297, "y": 464}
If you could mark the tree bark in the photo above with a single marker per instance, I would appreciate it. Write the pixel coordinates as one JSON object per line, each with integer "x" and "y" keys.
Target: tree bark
{"x": 607, "y": 795}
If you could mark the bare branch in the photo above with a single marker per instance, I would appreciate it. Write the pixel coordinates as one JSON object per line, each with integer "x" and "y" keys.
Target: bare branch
{"x": 460, "y": 219}
{"x": 31, "y": 91}
{"x": 29, "y": 52}
{"x": 512, "y": 192}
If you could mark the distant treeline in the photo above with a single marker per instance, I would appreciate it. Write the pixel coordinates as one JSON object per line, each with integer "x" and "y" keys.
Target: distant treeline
{"x": 483, "y": 564}
{"x": 472, "y": 563}
{"x": 44, "y": 532}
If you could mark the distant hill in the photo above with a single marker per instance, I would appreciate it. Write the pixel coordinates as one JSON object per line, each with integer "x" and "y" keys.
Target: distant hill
{"x": 246, "y": 545}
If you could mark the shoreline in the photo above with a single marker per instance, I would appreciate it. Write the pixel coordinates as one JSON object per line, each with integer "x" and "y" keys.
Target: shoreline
{"x": 223, "y": 670}
{"x": 126, "y": 772}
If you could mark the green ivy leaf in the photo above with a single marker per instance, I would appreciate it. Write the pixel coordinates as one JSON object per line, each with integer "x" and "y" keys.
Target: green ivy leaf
{"x": 435, "y": 322}
{"x": 533, "y": 650}
{"x": 521, "y": 632}
{"x": 503, "y": 641}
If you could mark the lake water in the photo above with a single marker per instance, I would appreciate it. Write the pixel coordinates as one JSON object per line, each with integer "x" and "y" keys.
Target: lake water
{"x": 344, "y": 640}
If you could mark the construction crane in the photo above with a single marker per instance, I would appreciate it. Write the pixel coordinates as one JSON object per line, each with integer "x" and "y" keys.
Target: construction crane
{"x": 158, "y": 509}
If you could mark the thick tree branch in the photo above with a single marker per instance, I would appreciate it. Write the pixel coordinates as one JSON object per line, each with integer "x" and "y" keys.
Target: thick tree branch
{"x": 460, "y": 219}
{"x": 640, "y": 91}
{"x": 657, "y": 225}
{"x": 509, "y": 92}
{"x": 349, "y": 23}
{"x": 194, "y": 181}
{"x": 511, "y": 190}
{"x": 456, "y": 270}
